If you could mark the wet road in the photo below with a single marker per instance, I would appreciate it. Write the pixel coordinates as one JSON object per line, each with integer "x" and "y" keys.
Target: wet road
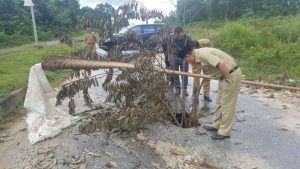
{"x": 263, "y": 136}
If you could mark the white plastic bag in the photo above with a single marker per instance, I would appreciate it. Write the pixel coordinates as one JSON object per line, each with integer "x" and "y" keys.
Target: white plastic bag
{"x": 45, "y": 119}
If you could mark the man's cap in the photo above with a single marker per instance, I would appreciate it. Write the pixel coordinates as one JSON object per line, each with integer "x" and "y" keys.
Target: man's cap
{"x": 204, "y": 42}
{"x": 178, "y": 29}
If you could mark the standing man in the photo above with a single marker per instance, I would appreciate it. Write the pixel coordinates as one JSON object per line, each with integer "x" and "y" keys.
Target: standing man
{"x": 223, "y": 67}
{"x": 177, "y": 42}
{"x": 167, "y": 32}
{"x": 202, "y": 43}
{"x": 90, "y": 43}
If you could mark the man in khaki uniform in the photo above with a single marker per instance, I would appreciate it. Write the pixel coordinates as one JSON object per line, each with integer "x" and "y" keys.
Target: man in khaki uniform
{"x": 90, "y": 43}
{"x": 223, "y": 67}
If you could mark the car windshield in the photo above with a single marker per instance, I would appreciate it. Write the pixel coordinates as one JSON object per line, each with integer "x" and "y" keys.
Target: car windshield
{"x": 124, "y": 30}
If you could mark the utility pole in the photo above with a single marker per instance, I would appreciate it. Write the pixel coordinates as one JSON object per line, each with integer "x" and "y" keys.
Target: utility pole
{"x": 30, "y": 4}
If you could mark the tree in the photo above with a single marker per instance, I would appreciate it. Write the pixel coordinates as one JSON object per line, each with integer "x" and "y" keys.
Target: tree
{"x": 197, "y": 10}
{"x": 280, "y": 7}
{"x": 191, "y": 10}
{"x": 104, "y": 11}
{"x": 171, "y": 20}
{"x": 13, "y": 17}
{"x": 63, "y": 13}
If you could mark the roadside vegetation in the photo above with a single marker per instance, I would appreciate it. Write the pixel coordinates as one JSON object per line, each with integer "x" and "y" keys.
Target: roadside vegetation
{"x": 53, "y": 18}
{"x": 265, "y": 48}
{"x": 15, "y": 66}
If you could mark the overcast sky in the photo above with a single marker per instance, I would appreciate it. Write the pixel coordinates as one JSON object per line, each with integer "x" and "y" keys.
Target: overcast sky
{"x": 165, "y": 5}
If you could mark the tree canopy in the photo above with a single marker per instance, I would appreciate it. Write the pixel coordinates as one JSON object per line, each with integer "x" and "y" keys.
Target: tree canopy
{"x": 54, "y": 16}
{"x": 51, "y": 16}
{"x": 197, "y": 10}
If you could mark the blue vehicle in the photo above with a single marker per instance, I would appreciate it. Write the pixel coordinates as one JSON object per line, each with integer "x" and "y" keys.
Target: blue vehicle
{"x": 133, "y": 37}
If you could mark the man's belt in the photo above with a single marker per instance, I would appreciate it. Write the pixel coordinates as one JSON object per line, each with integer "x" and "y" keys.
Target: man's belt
{"x": 233, "y": 69}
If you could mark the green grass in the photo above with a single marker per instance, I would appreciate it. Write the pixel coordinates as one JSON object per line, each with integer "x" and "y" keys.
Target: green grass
{"x": 15, "y": 66}
{"x": 205, "y": 29}
{"x": 265, "y": 49}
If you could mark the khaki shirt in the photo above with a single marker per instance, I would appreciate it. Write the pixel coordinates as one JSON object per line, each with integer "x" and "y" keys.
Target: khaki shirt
{"x": 90, "y": 38}
{"x": 209, "y": 59}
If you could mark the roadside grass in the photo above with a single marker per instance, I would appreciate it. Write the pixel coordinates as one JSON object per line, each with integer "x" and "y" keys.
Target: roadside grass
{"x": 8, "y": 41}
{"x": 265, "y": 49}
{"x": 206, "y": 29}
{"x": 15, "y": 66}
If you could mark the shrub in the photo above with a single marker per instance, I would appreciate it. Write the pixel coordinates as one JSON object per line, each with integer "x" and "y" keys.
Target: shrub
{"x": 44, "y": 36}
{"x": 12, "y": 40}
{"x": 286, "y": 33}
{"x": 3, "y": 38}
{"x": 248, "y": 13}
{"x": 236, "y": 38}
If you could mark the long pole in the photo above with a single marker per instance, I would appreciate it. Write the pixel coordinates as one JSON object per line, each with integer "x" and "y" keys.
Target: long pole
{"x": 55, "y": 63}
{"x": 33, "y": 24}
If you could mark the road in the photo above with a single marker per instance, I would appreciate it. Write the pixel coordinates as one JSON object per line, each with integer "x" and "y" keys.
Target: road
{"x": 14, "y": 49}
{"x": 264, "y": 136}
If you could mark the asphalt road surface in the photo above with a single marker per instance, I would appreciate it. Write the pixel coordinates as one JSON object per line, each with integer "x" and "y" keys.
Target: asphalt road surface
{"x": 263, "y": 137}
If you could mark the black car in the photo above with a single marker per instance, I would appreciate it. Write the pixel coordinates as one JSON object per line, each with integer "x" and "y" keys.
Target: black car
{"x": 134, "y": 37}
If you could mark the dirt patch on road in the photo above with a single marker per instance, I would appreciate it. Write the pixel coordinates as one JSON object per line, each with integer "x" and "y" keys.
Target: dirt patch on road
{"x": 285, "y": 100}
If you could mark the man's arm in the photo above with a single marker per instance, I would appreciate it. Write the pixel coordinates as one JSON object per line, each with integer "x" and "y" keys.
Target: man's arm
{"x": 190, "y": 43}
{"x": 222, "y": 68}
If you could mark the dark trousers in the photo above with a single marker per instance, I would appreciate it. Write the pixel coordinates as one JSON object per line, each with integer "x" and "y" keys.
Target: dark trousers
{"x": 179, "y": 64}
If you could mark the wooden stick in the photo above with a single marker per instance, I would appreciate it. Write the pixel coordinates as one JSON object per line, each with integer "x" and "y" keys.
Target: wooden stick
{"x": 55, "y": 62}
{"x": 275, "y": 86}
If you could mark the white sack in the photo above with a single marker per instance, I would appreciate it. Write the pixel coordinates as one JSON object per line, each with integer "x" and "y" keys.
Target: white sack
{"x": 45, "y": 119}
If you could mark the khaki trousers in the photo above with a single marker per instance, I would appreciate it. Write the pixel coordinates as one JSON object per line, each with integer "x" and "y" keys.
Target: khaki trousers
{"x": 91, "y": 48}
{"x": 226, "y": 103}
{"x": 196, "y": 85}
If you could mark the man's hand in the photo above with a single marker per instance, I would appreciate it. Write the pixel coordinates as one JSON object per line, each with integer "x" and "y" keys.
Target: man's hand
{"x": 229, "y": 80}
{"x": 222, "y": 68}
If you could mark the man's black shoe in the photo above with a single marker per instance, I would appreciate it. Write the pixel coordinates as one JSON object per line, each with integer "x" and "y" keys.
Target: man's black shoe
{"x": 219, "y": 137}
{"x": 208, "y": 128}
{"x": 207, "y": 98}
